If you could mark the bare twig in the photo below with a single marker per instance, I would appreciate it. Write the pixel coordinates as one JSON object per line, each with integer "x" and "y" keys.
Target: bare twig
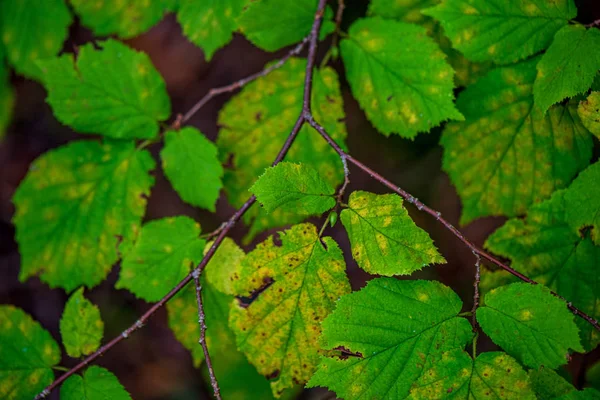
{"x": 342, "y": 190}
{"x": 476, "y": 290}
{"x": 594, "y": 24}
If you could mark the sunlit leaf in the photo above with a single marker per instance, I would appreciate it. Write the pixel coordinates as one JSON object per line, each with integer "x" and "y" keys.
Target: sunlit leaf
{"x": 96, "y": 384}
{"x": 81, "y": 326}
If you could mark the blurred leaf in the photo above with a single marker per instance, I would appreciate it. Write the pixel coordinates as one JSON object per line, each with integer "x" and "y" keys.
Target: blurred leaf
{"x": 401, "y": 10}
{"x": 7, "y": 97}
{"x": 96, "y": 384}
{"x": 81, "y": 326}
{"x": 547, "y": 384}
{"x": 583, "y": 202}
{"x": 589, "y": 112}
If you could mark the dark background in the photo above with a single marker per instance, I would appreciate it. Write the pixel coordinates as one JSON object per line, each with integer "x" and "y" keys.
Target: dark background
{"x": 152, "y": 364}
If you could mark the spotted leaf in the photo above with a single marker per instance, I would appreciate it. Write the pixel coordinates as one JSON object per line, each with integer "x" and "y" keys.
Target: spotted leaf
{"x": 589, "y": 112}
{"x": 81, "y": 326}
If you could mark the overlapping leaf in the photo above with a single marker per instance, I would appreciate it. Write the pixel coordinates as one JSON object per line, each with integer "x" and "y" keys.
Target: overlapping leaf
{"x": 27, "y": 355}
{"x": 279, "y": 331}
{"x": 530, "y": 324}
{"x": 296, "y": 188}
{"x": 125, "y": 18}
{"x": 273, "y": 24}
{"x": 256, "y": 123}
{"x": 226, "y": 261}
{"x": 589, "y": 112}
{"x": 32, "y": 31}
{"x": 399, "y": 76}
{"x": 75, "y": 205}
{"x": 583, "y": 202}
{"x": 508, "y": 155}
{"x": 458, "y": 376}
{"x": 81, "y": 326}
{"x": 191, "y": 164}
{"x": 405, "y": 10}
{"x": 114, "y": 91}
{"x": 384, "y": 238}
{"x": 548, "y": 384}
{"x": 389, "y": 334}
{"x": 209, "y": 24}
{"x": 569, "y": 65}
{"x": 502, "y": 31}
{"x": 164, "y": 253}
{"x": 96, "y": 384}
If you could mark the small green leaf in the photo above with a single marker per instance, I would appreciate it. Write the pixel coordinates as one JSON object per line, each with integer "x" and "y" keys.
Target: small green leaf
{"x": 457, "y": 376}
{"x": 502, "y": 31}
{"x": 209, "y": 24}
{"x": 96, "y": 384}
{"x": 191, "y": 164}
{"x": 33, "y": 30}
{"x": 547, "y": 384}
{"x": 75, "y": 205}
{"x": 568, "y": 67}
{"x": 125, "y": 18}
{"x": 115, "y": 91}
{"x": 508, "y": 155}
{"x": 81, "y": 326}
{"x": 589, "y": 112}
{"x": 530, "y": 324}
{"x": 279, "y": 330}
{"x": 293, "y": 22}
{"x": 27, "y": 355}
{"x": 296, "y": 188}
{"x": 164, "y": 253}
{"x": 399, "y": 76}
{"x": 224, "y": 263}
{"x": 389, "y": 333}
{"x": 385, "y": 240}
{"x": 401, "y": 10}
{"x": 583, "y": 202}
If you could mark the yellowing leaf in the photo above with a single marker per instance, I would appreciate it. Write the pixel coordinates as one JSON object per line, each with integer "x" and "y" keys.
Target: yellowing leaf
{"x": 589, "y": 112}
{"x": 279, "y": 330}
{"x": 81, "y": 326}
{"x": 385, "y": 240}
{"x": 75, "y": 205}
{"x": 224, "y": 263}
{"x": 508, "y": 155}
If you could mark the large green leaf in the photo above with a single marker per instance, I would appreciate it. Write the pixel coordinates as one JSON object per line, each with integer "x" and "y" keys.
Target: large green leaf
{"x": 503, "y": 31}
{"x": 399, "y": 76}
{"x": 589, "y": 112}
{"x": 508, "y": 155}
{"x": 191, "y": 164}
{"x": 256, "y": 123}
{"x": 75, "y": 205}
{"x": 81, "y": 326}
{"x": 209, "y": 23}
{"x": 457, "y": 376}
{"x": 583, "y": 202}
{"x": 389, "y": 334}
{"x": 33, "y": 30}
{"x": 279, "y": 331}
{"x": 27, "y": 355}
{"x": 96, "y": 384}
{"x": 296, "y": 188}
{"x": 163, "y": 254}
{"x": 384, "y": 238}
{"x": 529, "y": 323}
{"x": 114, "y": 91}
{"x": 125, "y": 18}
{"x": 569, "y": 65}
{"x": 273, "y": 24}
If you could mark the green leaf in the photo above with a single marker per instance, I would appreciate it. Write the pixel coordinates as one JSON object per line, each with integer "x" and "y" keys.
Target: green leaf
{"x": 75, "y": 205}
{"x": 399, "y": 76}
{"x": 530, "y": 324}
{"x": 164, "y": 253}
{"x": 114, "y": 91}
{"x": 27, "y": 355}
{"x": 32, "y": 31}
{"x": 226, "y": 261}
{"x": 296, "y": 188}
{"x": 589, "y": 112}
{"x": 457, "y": 376}
{"x": 508, "y": 155}
{"x": 256, "y": 123}
{"x": 279, "y": 330}
{"x": 545, "y": 248}
{"x": 568, "y": 67}
{"x": 401, "y": 10}
{"x": 209, "y": 24}
{"x": 125, "y": 18}
{"x": 583, "y": 202}
{"x": 81, "y": 326}
{"x": 189, "y": 150}
{"x": 502, "y": 31}
{"x": 384, "y": 239}
{"x": 389, "y": 333}
{"x": 547, "y": 384}
{"x": 96, "y": 384}
{"x": 293, "y": 21}
{"x": 7, "y": 97}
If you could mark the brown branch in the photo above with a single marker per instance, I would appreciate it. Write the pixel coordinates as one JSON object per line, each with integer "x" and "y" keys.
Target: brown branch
{"x": 306, "y": 111}
{"x": 593, "y": 24}
{"x": 438, "y": 216}
{"x": 476, "y": 293}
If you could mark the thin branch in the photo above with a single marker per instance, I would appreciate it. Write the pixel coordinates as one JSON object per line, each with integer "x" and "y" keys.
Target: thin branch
{"x": 438, "y": 216}
{"x": 594, "y": 24}
{"x": 202, "y": 322}
{"x": 476, "y": 294}
{"x": 342, "y": 190}
{"x": 338, "y": 22}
